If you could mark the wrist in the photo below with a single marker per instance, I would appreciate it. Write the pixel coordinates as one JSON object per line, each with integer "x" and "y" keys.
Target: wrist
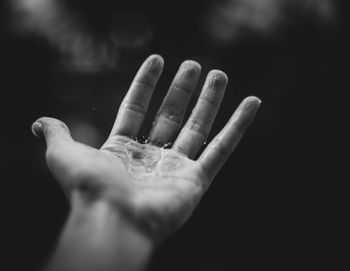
{"x": 99, "y": 237}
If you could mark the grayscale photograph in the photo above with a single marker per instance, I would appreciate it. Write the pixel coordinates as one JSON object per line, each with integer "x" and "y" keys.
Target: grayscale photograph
{"x": 173, "y": 135}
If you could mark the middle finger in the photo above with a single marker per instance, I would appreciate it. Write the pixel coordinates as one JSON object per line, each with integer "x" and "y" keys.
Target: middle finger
{"x": 170, "y": 114}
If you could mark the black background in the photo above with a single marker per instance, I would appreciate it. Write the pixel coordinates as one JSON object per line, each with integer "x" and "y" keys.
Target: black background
{"x": 274, "y": 206}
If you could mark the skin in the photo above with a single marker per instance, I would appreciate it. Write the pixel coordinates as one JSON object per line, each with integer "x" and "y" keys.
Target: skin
{"x": 146, "y": 190}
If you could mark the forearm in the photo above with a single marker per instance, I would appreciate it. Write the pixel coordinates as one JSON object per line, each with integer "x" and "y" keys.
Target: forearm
{"x": 97, "y": 237}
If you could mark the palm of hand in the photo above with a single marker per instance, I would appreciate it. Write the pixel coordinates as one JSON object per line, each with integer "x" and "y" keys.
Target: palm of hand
{"x": 161, "y": 187}
{"x": 155, "y": 186}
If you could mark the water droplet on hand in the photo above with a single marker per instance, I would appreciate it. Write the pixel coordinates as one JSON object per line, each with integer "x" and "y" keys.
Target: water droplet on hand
{"x": 167, "y": 145}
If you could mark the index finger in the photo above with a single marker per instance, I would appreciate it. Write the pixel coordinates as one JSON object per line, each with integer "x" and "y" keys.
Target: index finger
{"x": 133, "y": 108}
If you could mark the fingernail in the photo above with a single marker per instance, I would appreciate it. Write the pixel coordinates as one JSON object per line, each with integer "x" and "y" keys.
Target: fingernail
{"x": 37, "y": 129}
{"x": 253, "y": 99}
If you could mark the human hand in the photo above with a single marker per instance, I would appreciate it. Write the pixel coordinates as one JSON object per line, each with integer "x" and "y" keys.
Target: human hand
{"x": 156, "y": 187}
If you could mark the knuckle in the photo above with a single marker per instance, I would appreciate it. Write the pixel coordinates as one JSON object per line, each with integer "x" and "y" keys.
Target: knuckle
{"x": 222, "y": 150}
{"x": 198, "y": 127}
{"x": 171, "y": 115}
{"x": 134, "y": 106}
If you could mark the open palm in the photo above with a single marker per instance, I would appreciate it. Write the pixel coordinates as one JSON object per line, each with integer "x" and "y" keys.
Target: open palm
{"x": 157, "y": 185}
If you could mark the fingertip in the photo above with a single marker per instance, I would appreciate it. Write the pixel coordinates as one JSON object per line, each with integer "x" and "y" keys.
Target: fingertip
{"x": 151, "y": 68}
{"x": 245, "y": 113}
{"x": 191, "y": 65}
{"x": 156, "y": 56}
{"x": 39, "y": 126}
{"x": 252, "y": 101}
{"x": 218, "y": 79}
{"x": 218, "y": 74}
{"x": 156, "y": 60}
{"x": 45, "y": 126}
{"x": 37, "y": 129}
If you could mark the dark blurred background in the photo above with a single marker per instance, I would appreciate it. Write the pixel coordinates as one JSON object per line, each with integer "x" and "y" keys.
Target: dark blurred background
{"x": 271, "y": 207}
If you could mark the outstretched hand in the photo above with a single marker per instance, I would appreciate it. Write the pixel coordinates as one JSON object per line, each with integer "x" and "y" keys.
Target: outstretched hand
{"x": 156, "y": 187}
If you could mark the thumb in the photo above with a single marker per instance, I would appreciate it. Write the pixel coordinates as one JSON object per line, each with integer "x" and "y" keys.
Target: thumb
{"x": 58, "y": 141}
{"x": 54, "y": 131}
